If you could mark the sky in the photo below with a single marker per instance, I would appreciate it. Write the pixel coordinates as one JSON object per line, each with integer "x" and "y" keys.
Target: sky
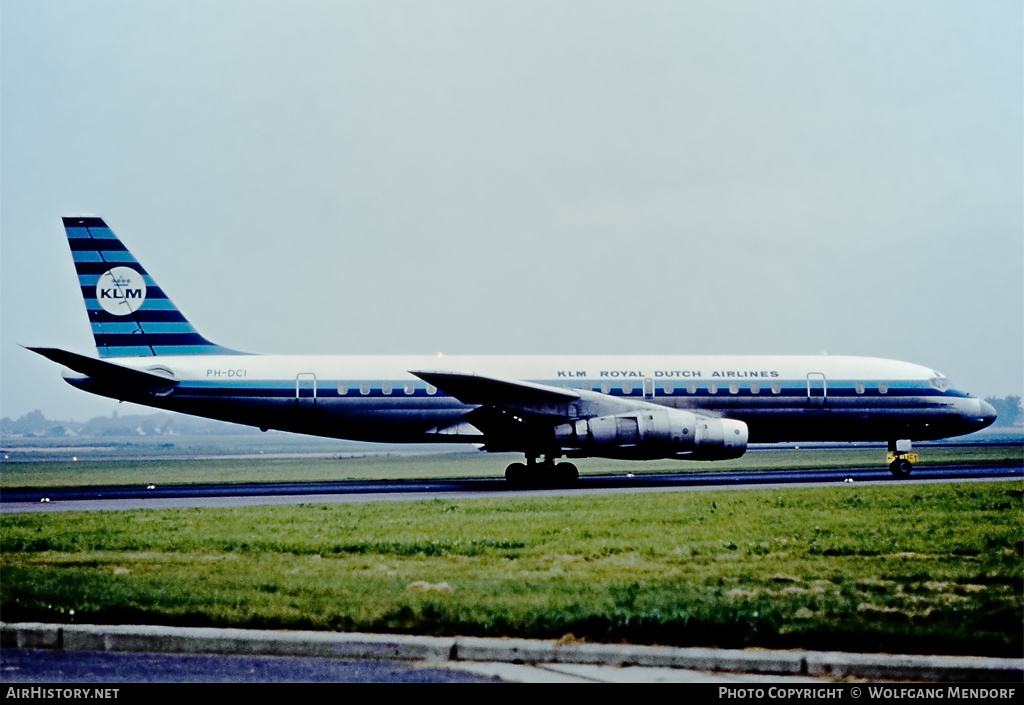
{"x": 523, "y": 177}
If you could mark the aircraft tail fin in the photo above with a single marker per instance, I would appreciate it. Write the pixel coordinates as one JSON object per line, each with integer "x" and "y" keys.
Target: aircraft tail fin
{"x": 130, "y": 315}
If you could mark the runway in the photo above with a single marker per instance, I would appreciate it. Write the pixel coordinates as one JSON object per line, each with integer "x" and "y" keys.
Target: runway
{"x": 236, "y": 495}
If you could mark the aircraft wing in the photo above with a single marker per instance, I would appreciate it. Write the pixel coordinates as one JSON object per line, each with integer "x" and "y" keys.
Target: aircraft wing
{"x": 490, "y": 391}
{"x": 528, "y": 397}
{"x": 106, "y": 372}
{"x": 516, "y": 415}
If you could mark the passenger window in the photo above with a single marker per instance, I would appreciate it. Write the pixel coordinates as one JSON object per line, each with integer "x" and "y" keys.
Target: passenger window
{"x": 410, "y": 388}
{"x": 712, "y": 388}
{"x": 342, "y": 390}
{"x": 431, "y": 390}
{"x": 755, "y": 388}
{"x": 734, "y": 388}
{"x": 776, "y": 388}
{"x": 386, "y": 388}
{"x": 692, "y": 387}
{"x": 859, "y": 388}
{"x": 669, "y": 388}
{"x": 364, "y": 388}
{"x": 606, "y": 388}
{"x": 883, "y": 388}
{"x": 627, "y": 388}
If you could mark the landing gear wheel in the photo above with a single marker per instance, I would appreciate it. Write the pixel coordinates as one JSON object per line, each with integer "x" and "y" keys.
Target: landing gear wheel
{"x": 516, "y": 474}
{"x": 545, "y": 474}
{"x": 567, "y": 474}
{"x": 900, "y": 468}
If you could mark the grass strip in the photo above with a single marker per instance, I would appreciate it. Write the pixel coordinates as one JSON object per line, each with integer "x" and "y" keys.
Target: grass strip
{"x": 905, "y": 568}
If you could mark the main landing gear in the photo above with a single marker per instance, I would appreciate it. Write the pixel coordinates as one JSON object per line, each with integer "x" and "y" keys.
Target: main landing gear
{"x": 544, "y": 474}
{"x": 901, "y": 460}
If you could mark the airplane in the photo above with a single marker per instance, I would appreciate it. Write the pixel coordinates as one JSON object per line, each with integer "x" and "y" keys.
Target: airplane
{"x": 545, "y": 407}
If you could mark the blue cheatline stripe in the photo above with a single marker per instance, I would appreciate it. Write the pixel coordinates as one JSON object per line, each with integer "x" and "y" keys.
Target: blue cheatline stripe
{"x": 286, "y": 389}
{"x": 234, "y": 385}
{"x": 793, "y": 393}
{"x": 788, "y": 388}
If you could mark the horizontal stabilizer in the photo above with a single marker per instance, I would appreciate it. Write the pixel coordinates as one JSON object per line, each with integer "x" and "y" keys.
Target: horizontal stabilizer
{"x": 106, "y": 372}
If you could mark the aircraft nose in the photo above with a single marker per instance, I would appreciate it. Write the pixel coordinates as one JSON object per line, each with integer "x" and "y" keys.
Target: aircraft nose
{"x": 988, "y": 413}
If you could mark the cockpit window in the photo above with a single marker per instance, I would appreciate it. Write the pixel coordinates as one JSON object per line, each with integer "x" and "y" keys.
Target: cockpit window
{"x": 939, "y": 381}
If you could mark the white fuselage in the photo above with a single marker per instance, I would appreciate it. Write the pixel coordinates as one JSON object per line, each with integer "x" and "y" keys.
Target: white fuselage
{"x": 780, "y": 398}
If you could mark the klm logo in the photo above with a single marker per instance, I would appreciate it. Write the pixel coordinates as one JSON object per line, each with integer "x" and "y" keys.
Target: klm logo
{"x": 124, "y": 293}
{"x": 121, "y": 291}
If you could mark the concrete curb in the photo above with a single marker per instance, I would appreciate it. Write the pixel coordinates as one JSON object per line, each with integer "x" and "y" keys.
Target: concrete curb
{"x": 188, "y": 640}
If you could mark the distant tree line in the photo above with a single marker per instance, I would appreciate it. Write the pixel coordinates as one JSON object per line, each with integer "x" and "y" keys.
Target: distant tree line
{"x": 34, "y": 424}
{"x": 1008, "y": 409}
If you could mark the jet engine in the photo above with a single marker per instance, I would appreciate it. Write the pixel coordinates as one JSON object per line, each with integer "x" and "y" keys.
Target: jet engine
{"x": 651, "y": 434}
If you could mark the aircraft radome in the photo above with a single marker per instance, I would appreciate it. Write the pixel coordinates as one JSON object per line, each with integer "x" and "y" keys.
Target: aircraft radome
{"x": 633, "y": 407}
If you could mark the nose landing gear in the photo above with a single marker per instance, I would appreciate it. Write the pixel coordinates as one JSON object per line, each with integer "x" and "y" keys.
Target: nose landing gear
{"x": 901, "y": 467}
{"x": 901, "y": 460}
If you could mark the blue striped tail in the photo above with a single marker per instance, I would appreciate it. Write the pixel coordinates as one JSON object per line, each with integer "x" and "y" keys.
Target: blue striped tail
{"x": 130, "y": 315}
